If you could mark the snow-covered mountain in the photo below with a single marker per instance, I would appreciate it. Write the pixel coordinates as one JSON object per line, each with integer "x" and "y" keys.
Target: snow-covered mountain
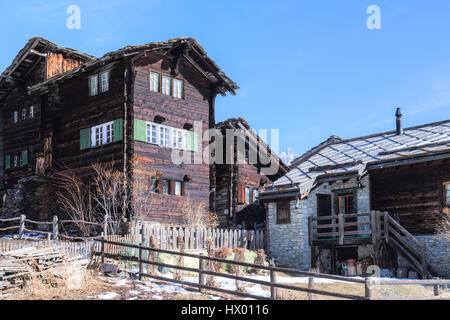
{"x": 288, "y": 156}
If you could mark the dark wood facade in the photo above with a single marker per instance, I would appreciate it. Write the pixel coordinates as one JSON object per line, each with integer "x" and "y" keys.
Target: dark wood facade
{"x": 58, "y": 87}
{"x": 414, "y": 193}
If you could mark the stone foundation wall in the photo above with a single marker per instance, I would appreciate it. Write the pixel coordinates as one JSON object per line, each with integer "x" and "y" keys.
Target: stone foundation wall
{"x": 438, "y": 254}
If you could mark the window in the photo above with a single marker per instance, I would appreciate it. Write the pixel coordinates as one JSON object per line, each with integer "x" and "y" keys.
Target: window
{"x": 24, "y": 113}
{"x": 31, "y": 112}
{"x": 345, "y": 204}
{"x": 447, "y": 194}
{"x": 103, "y": 134}
{"x": 16, "y": 116}
{"x": 152, "y": 136}
{"x": 179, "y": 138}
{"x": 153, "y": 185}
{"x": 166, "y": 85}
{"x": 93, "y": 85}
{"x": 255, "y": 195}
{"x": 178, "y": 88}
{"x": 165, "y": 136}
{"x": 104, "y": 78}
{"x": 154, "y": 81}
{"x": 166, "y": 185}
{"x": 247, "y": 194}
{"x": 178, "y": 188}
{"x": 283, "y": 213}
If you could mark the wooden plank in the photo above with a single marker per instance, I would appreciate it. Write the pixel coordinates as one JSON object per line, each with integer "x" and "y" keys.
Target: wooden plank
{"x": 341, "y": 229}
{"x": 386, "y": 226}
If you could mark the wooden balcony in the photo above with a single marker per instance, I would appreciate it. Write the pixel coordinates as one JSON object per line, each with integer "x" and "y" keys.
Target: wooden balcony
{"x": 348, "y": 229}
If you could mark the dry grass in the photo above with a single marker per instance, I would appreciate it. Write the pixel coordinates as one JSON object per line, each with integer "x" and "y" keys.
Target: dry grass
{"x": 378, "y": 291}
{"x": 67, "y": 281}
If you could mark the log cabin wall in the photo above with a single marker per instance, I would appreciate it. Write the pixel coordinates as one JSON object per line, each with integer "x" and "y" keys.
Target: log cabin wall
{"x": 177, "y": 113}
{"x": 73, "y": 109}
{"x": 414, "y": 193}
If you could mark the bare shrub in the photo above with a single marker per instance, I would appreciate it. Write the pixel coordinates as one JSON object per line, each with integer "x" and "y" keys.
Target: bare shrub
{"x": 239, "y": 256}
{"x": 260, "y": 259}
{"x": 221, "y": 253}
{"x": 210, "y": 266}
{"x": 179, "y": 273}
{"x": 74, "y": 198}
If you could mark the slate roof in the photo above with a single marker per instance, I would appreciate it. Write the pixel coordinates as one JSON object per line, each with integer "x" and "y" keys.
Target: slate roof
{"x": 355, "y": 157}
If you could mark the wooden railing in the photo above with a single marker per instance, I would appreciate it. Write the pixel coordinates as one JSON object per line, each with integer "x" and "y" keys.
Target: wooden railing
{"x": 339, "y": 227}
{"x": 375, "y": 226}
{"x": 53, "y": 227}
{"x": 112, "y": 250}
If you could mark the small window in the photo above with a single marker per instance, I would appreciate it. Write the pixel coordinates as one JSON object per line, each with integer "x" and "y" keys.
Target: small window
{"x": 16, "y": 160}
{"x": 93, "y": 85}
{"x": 178, "y": 88}
{"x": 103, "y": 134}
{"x": 24, "y": 113}
{"x": 283, "y": 213}
{"x": 152, "y": 130}
{"x": 447, "y": 194}
{"x": 255, "y": 195}
{"x": 153, "y": 185}
{"x": 104, "y": 78}
{"x": 166, "y": 85}
{"x": 178, "y": 188}
{"x": 247, "y": 194}
{"x": 179, "y": 139}
{"x": 345, "y": 203}
{"x": 31, "y": 112}
{"x": 16, "y": 116}
{"x": 154, "y": 81}
{"x": 166, "y": 186}
{"x": 165, "y": 136}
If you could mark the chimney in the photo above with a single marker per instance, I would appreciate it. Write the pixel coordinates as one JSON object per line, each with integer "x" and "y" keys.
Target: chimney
{"x": 398, "y": 115}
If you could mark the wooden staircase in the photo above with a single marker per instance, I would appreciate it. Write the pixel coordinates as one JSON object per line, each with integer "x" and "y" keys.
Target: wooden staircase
{"x": 391, "y": 232}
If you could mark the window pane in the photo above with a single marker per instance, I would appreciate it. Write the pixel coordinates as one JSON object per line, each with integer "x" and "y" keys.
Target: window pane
{"x": 16, "y": 116}
{"x": 178, "y": 188}
{"x": 94, "y": 85}
{"x": 152, "y": 185}
{"x": 166, "y": 187}
{"x": 31, "y": 112}
{"x": 105, "y": 81}
{"x": 178, "y": 88}
{"x": 154, "y": 81}
{"x": 166, "y": 85}
{"x": 24, "y": 114}
{"x": 247, "y": 195}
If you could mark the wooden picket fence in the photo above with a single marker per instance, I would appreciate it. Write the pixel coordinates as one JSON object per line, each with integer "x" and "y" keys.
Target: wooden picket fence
{"x": 69, "y": 249}
{"x": 196, "y": 238}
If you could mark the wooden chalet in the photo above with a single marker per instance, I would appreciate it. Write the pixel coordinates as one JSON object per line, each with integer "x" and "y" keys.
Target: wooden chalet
{"x": 64, "y": 109}
{"x": 238, "y": 183}
{"x": 378, "y": 198}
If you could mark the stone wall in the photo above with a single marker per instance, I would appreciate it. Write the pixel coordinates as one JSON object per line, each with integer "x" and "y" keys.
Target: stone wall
{"x": 438, "y": 254}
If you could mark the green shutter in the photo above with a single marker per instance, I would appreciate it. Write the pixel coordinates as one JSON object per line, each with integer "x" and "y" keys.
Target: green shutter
{"x": 85, "y": 139}
{"x": 24, "y": 157}
{"x": 118, "y": 130}
{"x": 7, "y": 162}
{"x": 140, "y": 131}
{"x": 192, "y": 141}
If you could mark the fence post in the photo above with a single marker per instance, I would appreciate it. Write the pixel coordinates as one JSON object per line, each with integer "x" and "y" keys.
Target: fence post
{"x": 201, "y": 276}
{"x": 373, "y": 226}
{"x": 368, "y": 289}
{"x": 273, "y": 280}
{"x": 105, "y": 226}
{"x": 436, "y": 288}
{"x": 102, "y": 250}
{"x": 141, "y": 266}
{"x": 311, "y": 296}
{"x": 55, "y": 228}
{"x": 341, "y": 228}
{"x": 22, "y": 226}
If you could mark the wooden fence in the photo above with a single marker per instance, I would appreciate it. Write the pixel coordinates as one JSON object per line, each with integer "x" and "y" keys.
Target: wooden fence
{"x": 22, "y": 225}
{"x": 69, "y": 249}
{"x": 196, "y": 238}
{"x": 141, "y": 255}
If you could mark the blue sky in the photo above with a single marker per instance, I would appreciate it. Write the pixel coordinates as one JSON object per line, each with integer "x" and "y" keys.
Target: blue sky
{"x": 309, "y": 68}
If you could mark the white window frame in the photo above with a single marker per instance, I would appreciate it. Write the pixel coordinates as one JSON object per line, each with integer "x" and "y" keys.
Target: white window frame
{"x": 104, "y": 81}
{"x": 16, "y": 116}
{"x": 178, "y": 88}
{"x": 166, "y": 85}
{"x": 166, "y": 137}
{"x": 93, "y": 90}
{"x": 154, "y": 81}
{"x": 177, "y": 190}
{"x": 255, "y": 195}
{"x": 16, "y": 161}
{"x": 248, "y": 195}
{"x": 31, "y": 112}
{"x": 105, "y": 132}
{"x": 24, "y": 114}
